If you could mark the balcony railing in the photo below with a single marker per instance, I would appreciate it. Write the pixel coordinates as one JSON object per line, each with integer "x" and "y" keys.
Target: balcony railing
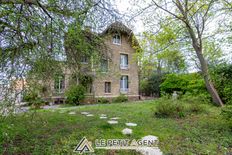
{"x": 123, "y": 66}
{"x": 58, "y": 92}
{"x": 124, "y": 90}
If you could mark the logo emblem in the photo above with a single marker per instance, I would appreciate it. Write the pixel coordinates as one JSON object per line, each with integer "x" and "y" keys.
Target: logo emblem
{"x": 84, "y": 146}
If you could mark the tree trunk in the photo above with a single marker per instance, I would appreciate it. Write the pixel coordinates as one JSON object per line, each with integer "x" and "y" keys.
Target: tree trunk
{"x": 205, "y": 73}
{"x": 197, "y": 45}
{"x": 196, "y": 42}
{"x": 159, "y": 68}
{"x": 159, "y": 73}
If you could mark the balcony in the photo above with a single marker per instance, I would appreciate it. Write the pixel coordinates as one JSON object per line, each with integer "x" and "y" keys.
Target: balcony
{"x": 124, "y": 90}
{"x": 124, "y": 66}
{"x": 58, "y": 92}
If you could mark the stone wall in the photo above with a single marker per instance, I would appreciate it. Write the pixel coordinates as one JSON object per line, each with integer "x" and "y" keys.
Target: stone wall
{"x": 114, "y": 74}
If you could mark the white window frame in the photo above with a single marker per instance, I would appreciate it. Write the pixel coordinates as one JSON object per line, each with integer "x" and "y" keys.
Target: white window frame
{"x": 117, "y": 40}
{"x": 124, "y": 64}
{"x": 124, "y": 84}
{"x": 60, "y": 89}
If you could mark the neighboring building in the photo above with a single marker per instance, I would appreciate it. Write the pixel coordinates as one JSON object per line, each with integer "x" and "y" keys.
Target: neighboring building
{"x": 19, "y": 86}
{"x": 12, "y": 91}
{"x": 119, "y": 71}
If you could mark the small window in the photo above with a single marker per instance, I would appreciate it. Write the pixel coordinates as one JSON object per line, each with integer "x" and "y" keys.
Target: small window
{"x": 117, "y": 39}
{"x": 104, "y": 65}
{"x": 123, "y": 61}
{"x": 59, "y": 84}
{"x": 84, "y": 59}
{"x": 124, "y": 84}
{"x": 107, "y": 87}
{"x": 89, "y": 88}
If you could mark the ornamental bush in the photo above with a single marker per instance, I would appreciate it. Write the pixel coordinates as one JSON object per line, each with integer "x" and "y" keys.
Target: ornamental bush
{"x": 75, "y": 94}
{"x": 32, "y": 99}
{"x": 151, "y": 85}
{"x": 221, "y": 76}
{"x": 167, "y": 108}
{"x": 192, "y": 83}
{"x": 103, "y": 100}
{"x": 226, "y": 112}
{"x": 30, "y": 96}
{"x": 121, "y": 98}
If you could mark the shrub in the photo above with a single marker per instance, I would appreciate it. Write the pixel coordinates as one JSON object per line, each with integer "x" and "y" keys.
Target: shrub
{"x": 191, "y": 83}
{"x": 33, "y": 99}
{"x": 151, "y": 85}
{"x": 200, "y": 98}
{"x": 196, "y": 108}
{"x": 221, "y": 76}
{"x": 227, "y": 93}
{"x": 177, "y": 109}
{"x": 75, "y": 94}
{"x": 121, "y": 98}
{"x": 37, "y": 103}
{"x": 30, "y": 97}
{"x": 102, "y": 100}
{"x": 170, "y": 109}
{"x": 227, "y": 114}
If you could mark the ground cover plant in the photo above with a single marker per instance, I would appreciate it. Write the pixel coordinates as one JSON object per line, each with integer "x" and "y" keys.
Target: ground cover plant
{"x": 57, "y": 132}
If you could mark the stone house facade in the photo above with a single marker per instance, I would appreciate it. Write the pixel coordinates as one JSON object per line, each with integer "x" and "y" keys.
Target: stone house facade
{"x": 120, "y": 75}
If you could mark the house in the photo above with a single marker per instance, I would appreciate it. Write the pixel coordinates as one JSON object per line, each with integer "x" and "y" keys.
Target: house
{"x": 119, "y": 70}
{"x": 18, "y": 88}
{"x": 12, "y": 90}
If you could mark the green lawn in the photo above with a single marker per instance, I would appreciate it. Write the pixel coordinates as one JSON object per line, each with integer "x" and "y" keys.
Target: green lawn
{"x": 52, "y": 132}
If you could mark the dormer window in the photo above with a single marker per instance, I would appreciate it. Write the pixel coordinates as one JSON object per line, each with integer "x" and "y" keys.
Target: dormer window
{"x": 117, "y": 39}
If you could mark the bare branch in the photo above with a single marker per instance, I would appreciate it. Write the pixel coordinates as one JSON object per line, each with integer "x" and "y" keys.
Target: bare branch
{"x": 162, "y": 8}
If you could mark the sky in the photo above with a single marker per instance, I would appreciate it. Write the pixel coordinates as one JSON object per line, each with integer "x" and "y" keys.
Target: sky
{"x": 124, "y": 6}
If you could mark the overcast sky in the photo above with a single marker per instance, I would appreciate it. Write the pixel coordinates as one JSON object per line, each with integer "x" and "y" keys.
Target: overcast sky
{"x": 124, "y": 7}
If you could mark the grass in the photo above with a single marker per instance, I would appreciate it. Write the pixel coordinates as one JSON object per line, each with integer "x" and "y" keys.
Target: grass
{"x": 52, "y": 132}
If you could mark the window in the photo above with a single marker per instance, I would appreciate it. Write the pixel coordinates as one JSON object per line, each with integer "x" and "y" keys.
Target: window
{"x": 117, "y": 39}
{"x": 84, "y": 60}
{"x": 89, "y": 88}
{"x": 107, "y": 87}
{"x": 59, "y": 84}
{"x": 123, "y": 61}
{"x": 87, "y": 82}
{"x": 104, "y": 65}
{"x": 124, "y": 84}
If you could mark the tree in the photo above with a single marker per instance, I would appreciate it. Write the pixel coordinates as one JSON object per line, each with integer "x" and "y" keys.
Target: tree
{"x": 192, "y": 16}
{"x": 37, "y": 28}
{"x": 32, "y": 35}
{"x": 159, "y": 54}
